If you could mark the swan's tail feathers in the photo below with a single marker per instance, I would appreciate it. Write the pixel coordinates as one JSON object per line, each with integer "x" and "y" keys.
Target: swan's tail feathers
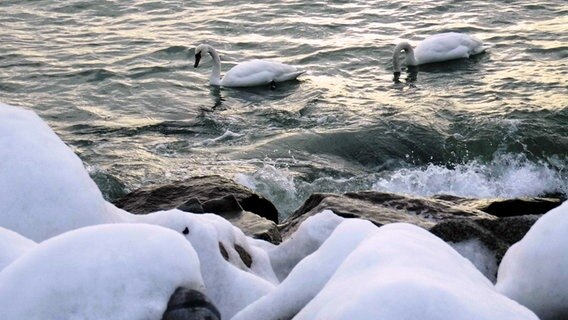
{"x": 478, "y": 46}
{"x": 289, "y": 76}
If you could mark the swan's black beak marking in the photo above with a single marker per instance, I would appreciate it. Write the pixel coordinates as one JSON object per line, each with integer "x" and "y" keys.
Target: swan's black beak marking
{"x": 197, "y": 59}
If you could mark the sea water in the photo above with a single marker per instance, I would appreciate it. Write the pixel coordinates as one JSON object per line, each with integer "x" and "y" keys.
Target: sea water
{"x": 115, "y": 80}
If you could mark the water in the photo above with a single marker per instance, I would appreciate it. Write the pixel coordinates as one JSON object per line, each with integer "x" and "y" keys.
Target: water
{"x": 115, "y": 79}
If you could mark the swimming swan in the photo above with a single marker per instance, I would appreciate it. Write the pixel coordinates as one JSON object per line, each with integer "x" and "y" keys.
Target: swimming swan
{"x": 437, "y": 48}
{"x": 247, "y": 74}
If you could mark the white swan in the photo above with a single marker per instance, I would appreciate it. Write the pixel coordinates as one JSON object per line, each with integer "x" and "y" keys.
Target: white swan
{"x": 247, "y": 74}
{"x": 437, "y": 48}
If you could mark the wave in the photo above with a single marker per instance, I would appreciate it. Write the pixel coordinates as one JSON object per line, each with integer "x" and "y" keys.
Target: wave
{"x": 506, "y": 176}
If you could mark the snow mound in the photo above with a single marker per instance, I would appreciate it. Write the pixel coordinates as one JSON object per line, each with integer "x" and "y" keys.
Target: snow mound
{"x": 310, "y": 275}
{"x": 534, "y": 271}
{"x": 44, "y": 188}
{"x": 307, "y": 239}
{"x": 118, "y": 271}
{"x": 12, "y": 246}
{"x": 404, "y": 272}
{"x": 482, "y": 257}
{"x": 231, "y": 285}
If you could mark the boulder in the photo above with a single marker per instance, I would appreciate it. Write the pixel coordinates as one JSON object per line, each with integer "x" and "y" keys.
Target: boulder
{"x": 496, "y": 223}
{"x": 252, "y": 213}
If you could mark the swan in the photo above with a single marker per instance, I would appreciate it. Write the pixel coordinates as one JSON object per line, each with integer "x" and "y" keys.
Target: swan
{"x": 247, "y": 74}
{"x": 437, "y": 48}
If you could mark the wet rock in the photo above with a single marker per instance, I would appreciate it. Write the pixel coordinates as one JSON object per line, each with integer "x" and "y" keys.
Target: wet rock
{"x": 186, "y": 304}
{"x": 382, "y": 208}
{"x": 202, "y": 189}
{"x": 506, "y": 207}
{"x": 496, "y": 223}
{"x": 250, "y": 212}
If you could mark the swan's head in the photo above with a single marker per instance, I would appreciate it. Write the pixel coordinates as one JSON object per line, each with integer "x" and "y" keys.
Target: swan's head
{"x": 199, "y": 51}
{"x": 410, "y": 59}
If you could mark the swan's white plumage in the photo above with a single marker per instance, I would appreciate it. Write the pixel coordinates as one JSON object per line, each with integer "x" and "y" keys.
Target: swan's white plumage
{"x": 447, "y": 46}
{"x": 439, "y": 47}
{"x": 250, "y": 73}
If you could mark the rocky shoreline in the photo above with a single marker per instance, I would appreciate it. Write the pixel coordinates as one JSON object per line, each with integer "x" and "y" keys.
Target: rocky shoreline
{"x": 495, "y": 223}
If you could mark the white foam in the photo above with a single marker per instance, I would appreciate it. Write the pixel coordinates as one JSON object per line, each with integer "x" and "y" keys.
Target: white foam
{"x": 506, "y": 176}
{"x": 227, "y": 135}
{"x": 277, "y": 185}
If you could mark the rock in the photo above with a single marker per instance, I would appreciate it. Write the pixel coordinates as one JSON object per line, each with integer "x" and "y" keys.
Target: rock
{"x": 202, "y": 189}
{"x": 250, "y": 212}
{"x": 506, "y": 207}
{"x": 382, "y": 208}
{"x": 186, "y": 304}
{"x": 497, "y": 223}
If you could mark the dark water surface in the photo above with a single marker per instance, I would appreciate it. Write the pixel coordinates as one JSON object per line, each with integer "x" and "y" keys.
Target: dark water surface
{"x": 115, "y": 79}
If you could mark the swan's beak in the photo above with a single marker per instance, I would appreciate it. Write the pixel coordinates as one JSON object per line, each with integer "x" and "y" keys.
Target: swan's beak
{"x": 197, "y": 59}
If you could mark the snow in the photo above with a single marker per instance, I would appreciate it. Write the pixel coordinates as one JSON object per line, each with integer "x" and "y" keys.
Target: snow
{"x": 44, "y": 188}
{"x": 229, "y": 286}
{"x": 307, "y": 239}
{"x": 404, "y": 272}
{"x": 119, "y": 271}
{"x": 12, "y": 246}
{"x": 97, "y": 261}
{"x": 310, "y": 275}
{"x": 482, "y": 257}
{"x": 534, "y": 271}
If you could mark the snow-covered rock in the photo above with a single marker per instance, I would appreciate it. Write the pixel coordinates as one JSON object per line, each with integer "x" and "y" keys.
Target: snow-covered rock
{"x": 118, "y": 271}
{"x": 481, "y": 257}
{"x": 12, "y": 246}
{"x": 534, "y": 271}
{"x": 310, "y": 274}
{"x": 303, "y": 242}
{"x": 229, "y": 284}
{"x": 404, "y": 272}
{"x": 44, "y": 188}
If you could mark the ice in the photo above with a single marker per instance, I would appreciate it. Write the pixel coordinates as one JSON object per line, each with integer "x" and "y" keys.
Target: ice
{"x": 307, "y": 239}
{"x": 118, "y": 271}
{"x": 12, "y": 246}
{"x": 230, "y": 284}
{"x": 534, "y": 271}
{"x": 481, "y": 257}
{"x": 44, "y": 188}
{"x": 404, "y": 272}
{"x": 310, "y": 275}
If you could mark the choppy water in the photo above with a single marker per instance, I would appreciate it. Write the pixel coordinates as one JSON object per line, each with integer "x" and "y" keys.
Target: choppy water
{"x": 115, "y": 79}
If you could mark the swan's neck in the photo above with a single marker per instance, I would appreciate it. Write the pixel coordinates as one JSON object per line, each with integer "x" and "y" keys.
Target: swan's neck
{"x": 215, "y": 78}
{"x": 410, "y": 58}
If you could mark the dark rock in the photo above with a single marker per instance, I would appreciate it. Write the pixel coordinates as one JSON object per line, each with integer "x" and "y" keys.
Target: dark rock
{"x": 506, "y": 207}
{"x": 187, "y": 304}
{"x": 381, "y": 208}
{"x": 203, "y": 189}
{"x": 223, "y": 251}
{"x": 226, "y": 206}
{"x": 453, "y": 219}
{"x": 245, "y": 256}
{"x": 192, "y": 205}
{"x": 253, "y": 214}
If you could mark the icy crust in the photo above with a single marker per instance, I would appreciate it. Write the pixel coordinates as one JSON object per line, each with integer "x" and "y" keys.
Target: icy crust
{"x": 44, "y": 188}
{"x": 229, "y": 284}
{"x": 12, "y": 246}
{"x": 404, "y": 272}
{"x": 118, "y": 271}
{"x": 310, "y": 275}
{"x": 534, "y": 271}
